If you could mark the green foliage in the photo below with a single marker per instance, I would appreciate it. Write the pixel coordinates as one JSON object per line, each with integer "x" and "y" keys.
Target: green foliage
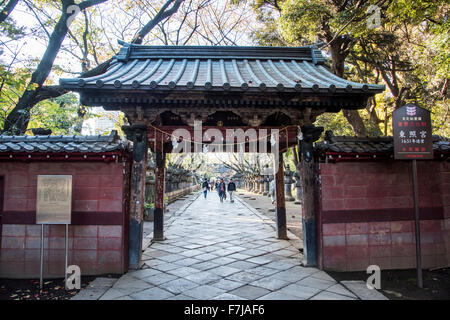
{"x": 59, "y": 114}
{"x": 149, "y": 205}
{"x": 301, "y": 20}
{"x": 409, "y": 51}
{"x": 9, "y": 29}
{"x": 335, "y": 122}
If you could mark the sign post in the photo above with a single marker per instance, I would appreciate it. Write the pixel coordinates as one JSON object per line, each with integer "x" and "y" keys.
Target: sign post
{"x": 413, "y": 141}
{"x": 54, "y": 206}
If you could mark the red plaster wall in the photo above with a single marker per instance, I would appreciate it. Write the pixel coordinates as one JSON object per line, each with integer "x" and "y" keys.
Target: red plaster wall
{"x": 445, "y": 183}
{"x": 353, "y": 187}
{"x": 97, "y": 249}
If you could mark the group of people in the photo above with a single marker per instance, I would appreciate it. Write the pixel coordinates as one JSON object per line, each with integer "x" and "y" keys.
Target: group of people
{"x": 221, "y": 187}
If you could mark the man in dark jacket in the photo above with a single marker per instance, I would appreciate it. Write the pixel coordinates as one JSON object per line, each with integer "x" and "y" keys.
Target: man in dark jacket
{"x": 231, "y": 188}
{"x": 221, "y": 189}
{"x": 205, "y": 186}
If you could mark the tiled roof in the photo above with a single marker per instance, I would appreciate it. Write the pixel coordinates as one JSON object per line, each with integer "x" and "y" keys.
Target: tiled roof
{"x": 370, "y": 145}
{"x": 290, "y": 69}
{"x": 62, "y": 144}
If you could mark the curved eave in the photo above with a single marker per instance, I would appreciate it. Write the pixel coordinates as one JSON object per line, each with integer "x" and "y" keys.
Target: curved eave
{"x": 219, "y": 75}
{"x": 199, "y": 89}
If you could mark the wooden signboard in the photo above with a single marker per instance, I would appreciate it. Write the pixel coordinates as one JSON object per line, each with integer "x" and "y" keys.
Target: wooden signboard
{"x": 412, "y": 133}
{"x": 54, "y": 199}
{"x": 413, "y": 141}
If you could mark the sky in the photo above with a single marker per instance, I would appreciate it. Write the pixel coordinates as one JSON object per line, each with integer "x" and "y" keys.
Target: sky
{"x": 112, "y": 19}
{"x": 117, "y": 19}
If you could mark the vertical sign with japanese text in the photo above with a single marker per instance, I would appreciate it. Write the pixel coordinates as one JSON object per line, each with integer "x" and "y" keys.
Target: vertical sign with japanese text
{"x": 412, "y": 133}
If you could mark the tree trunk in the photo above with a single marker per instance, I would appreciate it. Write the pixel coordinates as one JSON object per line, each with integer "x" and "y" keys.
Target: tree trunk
{"x": 17, "y": 121}
{"x": 7, "y": 10}
{"x": 356, "y": 122}
{"x": 338, "y": 56}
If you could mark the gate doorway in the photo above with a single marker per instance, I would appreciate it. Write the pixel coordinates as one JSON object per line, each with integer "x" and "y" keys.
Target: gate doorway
{"x": 162, "y": 89}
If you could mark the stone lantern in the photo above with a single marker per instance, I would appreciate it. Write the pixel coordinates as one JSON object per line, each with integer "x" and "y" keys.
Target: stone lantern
{"x": 257, "y": 185}
{"x": 271, "y": 177}
{"x": 266, "y": 185}
{"x": 184, "y": 179}
{"x": 288, "y": 185}
{"x": 261, "y": 184}
{"x": 169, "y": 177}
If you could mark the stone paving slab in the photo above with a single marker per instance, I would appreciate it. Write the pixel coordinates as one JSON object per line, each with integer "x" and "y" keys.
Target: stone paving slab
{"x": 154, "y": 293}
{"x": 265, "y": 207}
{"x": 89, "y": 294}
{"x": 325, "y": 295}
{"x": 250, "y": 292}
{"x": 339, "y": 289}
{"x": 359, "y": 288}
{"x": 216, "y": 251}
{"x": 113, "y": 293}
{"x": 204, "y": 292}
{"x": 96, "y": 289}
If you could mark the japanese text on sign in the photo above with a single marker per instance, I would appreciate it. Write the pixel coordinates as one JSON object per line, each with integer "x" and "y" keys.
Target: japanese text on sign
{"x": 412, "y": 133}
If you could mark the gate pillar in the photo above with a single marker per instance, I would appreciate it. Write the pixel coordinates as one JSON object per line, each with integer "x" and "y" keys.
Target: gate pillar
{"x": 280, "y": 199}
{"x": 160, "y": 174}
{"x": 308, "y": 176}
{"x": 137, "y": 134}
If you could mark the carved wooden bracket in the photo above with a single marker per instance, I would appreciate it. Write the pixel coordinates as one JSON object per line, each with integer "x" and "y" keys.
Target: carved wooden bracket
{"x": 310, "y": 134}
{"x": 138, "y": 135}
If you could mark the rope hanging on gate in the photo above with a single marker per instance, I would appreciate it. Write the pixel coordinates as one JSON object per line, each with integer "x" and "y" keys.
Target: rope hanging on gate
{"x": 284, "y": 129}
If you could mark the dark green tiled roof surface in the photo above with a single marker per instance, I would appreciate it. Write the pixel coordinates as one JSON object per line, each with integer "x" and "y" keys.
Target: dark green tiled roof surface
{"x": 370, "y": 145}
{"x": 62, "y": 144}
{"x": 289, "y": 69}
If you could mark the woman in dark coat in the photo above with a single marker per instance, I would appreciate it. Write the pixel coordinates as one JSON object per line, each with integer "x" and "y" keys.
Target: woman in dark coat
{"x": 221, "y": 189}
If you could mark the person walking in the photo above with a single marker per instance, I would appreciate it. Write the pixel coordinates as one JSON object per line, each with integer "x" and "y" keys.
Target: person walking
{"x": 221, "y": 189}
{"x": 272, "y": 190}
{"x": 231, "y": 188}
{"x": 205, "y": 186}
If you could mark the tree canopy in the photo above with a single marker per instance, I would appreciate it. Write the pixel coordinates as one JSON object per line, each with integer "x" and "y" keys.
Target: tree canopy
{"x": 400, "y": 43}
{"x": 406, "y": 49}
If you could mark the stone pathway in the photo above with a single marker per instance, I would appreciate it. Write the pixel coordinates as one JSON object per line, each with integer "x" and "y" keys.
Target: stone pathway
{"x": 264, "y": 205}
{"x": 222, "y": 251}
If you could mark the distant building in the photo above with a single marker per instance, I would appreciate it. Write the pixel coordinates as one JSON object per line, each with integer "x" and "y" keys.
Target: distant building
{"x": 102, "y": 123}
